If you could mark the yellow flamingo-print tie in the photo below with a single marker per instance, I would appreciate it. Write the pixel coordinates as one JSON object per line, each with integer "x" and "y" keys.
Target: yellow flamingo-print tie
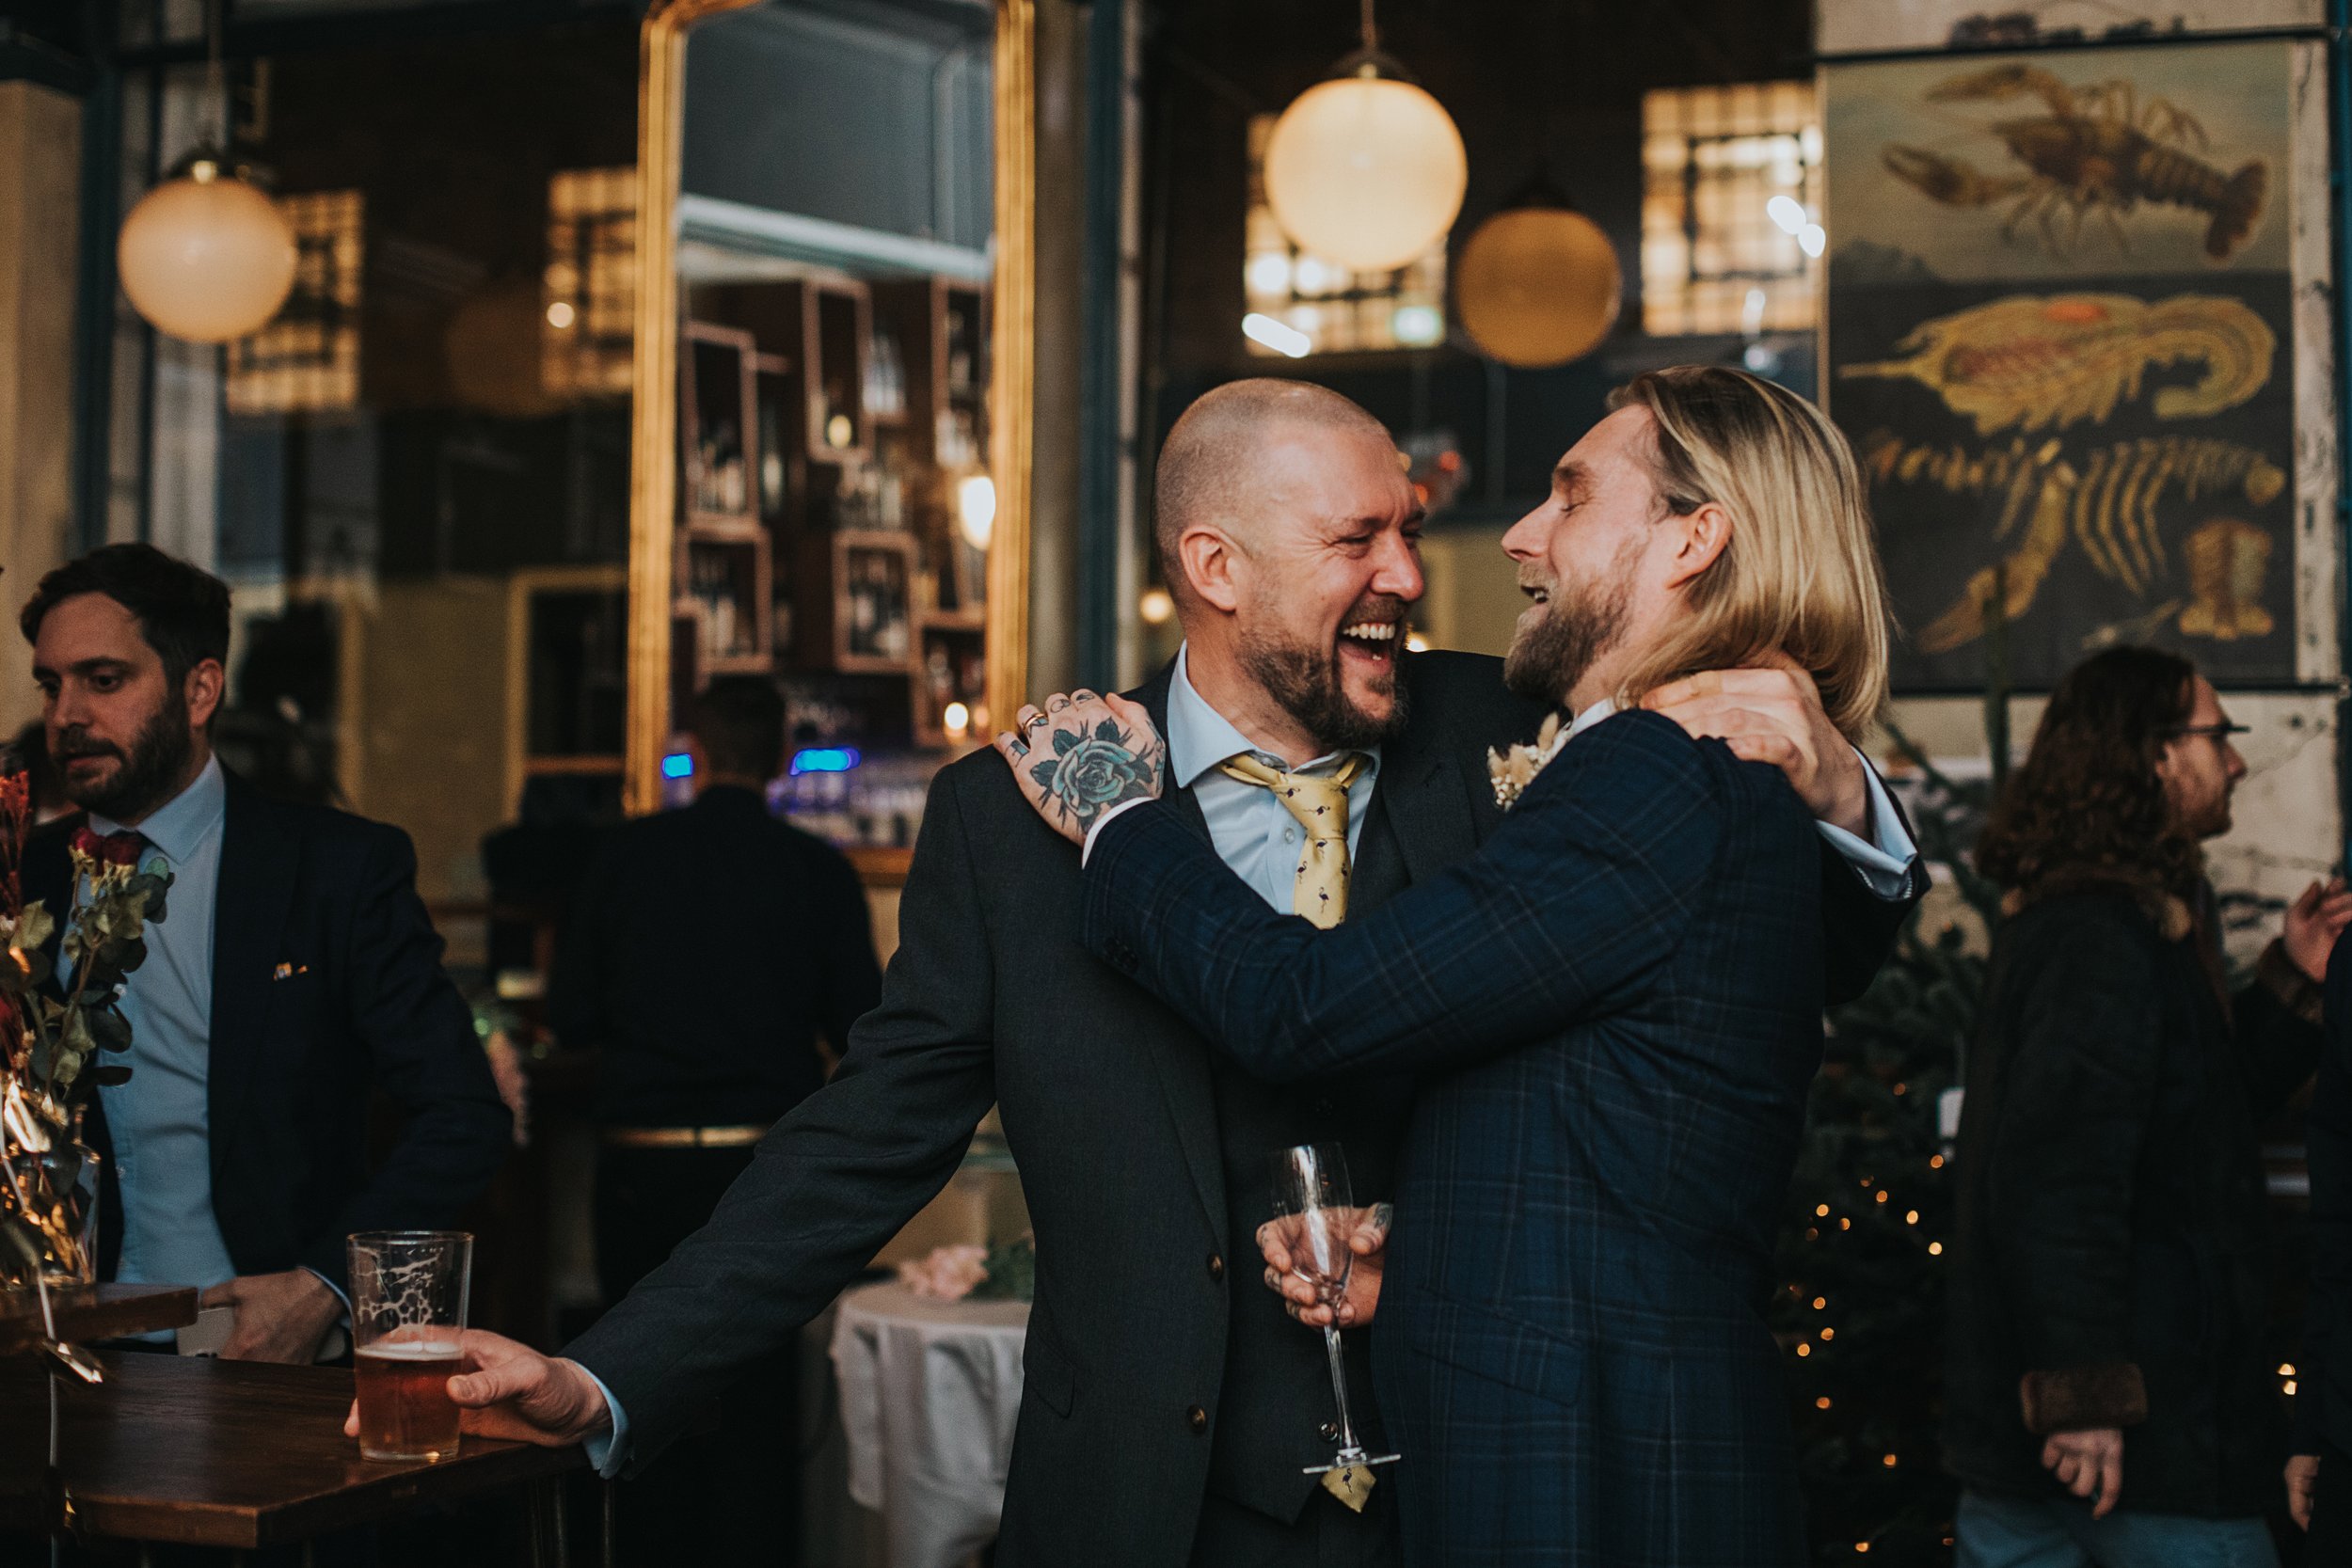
{"x": 1319, "y": 802}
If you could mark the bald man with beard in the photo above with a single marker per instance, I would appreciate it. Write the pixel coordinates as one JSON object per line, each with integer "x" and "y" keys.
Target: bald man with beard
{"x": 1170, "y": 1410}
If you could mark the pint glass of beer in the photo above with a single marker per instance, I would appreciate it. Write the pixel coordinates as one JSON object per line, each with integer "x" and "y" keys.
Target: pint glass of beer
{"x": 407, "y": 1309}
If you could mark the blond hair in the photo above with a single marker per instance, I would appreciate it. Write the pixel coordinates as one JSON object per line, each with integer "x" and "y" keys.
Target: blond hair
{"x": 1800, "y": 572}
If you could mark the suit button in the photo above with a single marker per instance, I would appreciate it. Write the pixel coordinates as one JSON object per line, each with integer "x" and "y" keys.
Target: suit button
{"x": 1217, "y": 1267}
{"x": 1196, "y": 1418}
{"x": 1329, "y": 1430}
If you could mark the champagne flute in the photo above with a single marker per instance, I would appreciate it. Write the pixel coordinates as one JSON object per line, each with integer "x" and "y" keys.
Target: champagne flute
{"x": 1315, "y": 1214}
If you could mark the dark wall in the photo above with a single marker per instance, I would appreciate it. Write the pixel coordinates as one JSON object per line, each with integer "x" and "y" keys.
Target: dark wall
{"x": 876, "y": 115}
{"x": 1531, "y": 85}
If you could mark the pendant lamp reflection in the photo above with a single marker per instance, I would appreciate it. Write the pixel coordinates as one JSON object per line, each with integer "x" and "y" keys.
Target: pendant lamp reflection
{"x": 1538, "y": 283}
{"x": 1365, "y": 168}
{"x": 207, "y": 256}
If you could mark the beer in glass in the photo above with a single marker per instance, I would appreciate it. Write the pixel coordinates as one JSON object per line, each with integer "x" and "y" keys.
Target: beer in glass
{"x": 408, "y": 1310}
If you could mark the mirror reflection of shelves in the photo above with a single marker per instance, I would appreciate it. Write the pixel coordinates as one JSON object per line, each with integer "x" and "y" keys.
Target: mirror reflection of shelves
{"x": 951, "y": 685}
{"x": 720, "y": 449}
{"x": 727, "y": 595}
{"x": 866, "y": 625}
{"x": 836, "y": 507}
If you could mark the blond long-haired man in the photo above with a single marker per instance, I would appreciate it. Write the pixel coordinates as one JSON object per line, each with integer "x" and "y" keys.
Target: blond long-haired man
{"x": 1614, "y": 1005}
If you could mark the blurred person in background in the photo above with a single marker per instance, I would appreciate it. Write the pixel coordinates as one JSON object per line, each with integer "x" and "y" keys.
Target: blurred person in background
{"x": 2319, "y": 1476}
{"x": 2108, "y": 1399}
{"x": 294, "y": 975}
{"x": 708, "y": 952}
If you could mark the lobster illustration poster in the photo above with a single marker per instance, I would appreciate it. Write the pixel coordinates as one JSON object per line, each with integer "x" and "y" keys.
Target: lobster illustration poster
{"x": 1884, "y": 27}
{"x": 2061, "y": 335}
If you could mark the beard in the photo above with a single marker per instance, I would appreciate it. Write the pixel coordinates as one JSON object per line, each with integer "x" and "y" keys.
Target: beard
{"x": 1308, "y": 683}
{"x": 152, "y": 772}
{"x": 1547, "y": 659}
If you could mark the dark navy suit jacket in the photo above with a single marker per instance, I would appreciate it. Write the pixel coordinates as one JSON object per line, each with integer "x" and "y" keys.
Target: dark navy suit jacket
{"x": 327, "y": 989}
{"x": 1619, "y": 999}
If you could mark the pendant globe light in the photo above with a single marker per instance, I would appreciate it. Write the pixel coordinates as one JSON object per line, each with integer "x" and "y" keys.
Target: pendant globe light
{"x": 206, "y": 256}
{"x": 1365, "y": 168}
{"x": 1538, "y": 283}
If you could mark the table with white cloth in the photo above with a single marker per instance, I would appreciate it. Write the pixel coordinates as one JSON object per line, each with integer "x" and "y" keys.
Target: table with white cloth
{"x": 930, "y": 1392}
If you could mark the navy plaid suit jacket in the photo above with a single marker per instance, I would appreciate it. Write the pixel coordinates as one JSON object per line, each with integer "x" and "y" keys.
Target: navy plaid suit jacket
{"x": 1619, "y": 1001}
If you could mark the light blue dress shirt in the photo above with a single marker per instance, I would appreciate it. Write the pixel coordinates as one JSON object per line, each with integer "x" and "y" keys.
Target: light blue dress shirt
{"x": 158, "y": 1119}
{"x": 1258, "y": 838}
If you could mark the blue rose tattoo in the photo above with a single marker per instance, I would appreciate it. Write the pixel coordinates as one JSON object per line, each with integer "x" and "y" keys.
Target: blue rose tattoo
{"x": 1090, "y": 773}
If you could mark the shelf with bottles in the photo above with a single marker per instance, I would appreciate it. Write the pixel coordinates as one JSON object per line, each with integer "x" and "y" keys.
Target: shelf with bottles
{"x": 950, "y": 685}
{"x": 963, "y": 375}
{"x": 939, "y": 328}
{"x": 823, "y": 328}
{"x": 715, "y": 427}
{"x": 863, "y": 622}
{"x": 886, "y": 400}
{"x": 775, "y": 392}
{"x": 725, "y": 589}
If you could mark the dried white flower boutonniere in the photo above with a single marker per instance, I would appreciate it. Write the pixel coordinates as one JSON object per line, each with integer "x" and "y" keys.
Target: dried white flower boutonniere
{"x": 1513, "y": 772}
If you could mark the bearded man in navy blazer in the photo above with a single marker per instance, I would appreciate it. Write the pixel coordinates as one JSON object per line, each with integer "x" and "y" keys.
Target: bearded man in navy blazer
{"x": 295, "y": 973}
{"x": 1616, "y": 1002}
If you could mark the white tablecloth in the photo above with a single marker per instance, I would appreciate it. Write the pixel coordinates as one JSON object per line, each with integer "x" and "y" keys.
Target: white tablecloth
{"x": 929, "y": 1390}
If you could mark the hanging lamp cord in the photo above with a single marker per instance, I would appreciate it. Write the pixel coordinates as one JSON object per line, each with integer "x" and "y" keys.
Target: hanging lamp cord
{"x": 1372, "y": 33}
{"x": 215, "y": 79}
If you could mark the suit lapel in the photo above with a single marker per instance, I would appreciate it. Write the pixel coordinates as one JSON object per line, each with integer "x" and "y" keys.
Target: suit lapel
{"x": 259, "y": 862}
{"x": 1421, "y": 792}
{"x": 1178, "y": 1058}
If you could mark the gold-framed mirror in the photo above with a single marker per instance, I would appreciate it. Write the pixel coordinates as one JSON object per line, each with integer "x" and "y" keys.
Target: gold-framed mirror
{"x": 998, "y": 536}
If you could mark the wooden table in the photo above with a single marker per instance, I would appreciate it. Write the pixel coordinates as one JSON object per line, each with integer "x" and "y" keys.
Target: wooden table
{"x": 87, "y": 1313}
{"x": 226, "y": 1453}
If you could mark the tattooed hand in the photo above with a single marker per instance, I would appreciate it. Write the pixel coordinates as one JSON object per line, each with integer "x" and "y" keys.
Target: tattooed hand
{"x": 1082, "y": 755}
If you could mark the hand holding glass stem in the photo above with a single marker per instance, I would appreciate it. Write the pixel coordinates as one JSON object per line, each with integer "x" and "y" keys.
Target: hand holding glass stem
{"x": 1318, "y": 1223}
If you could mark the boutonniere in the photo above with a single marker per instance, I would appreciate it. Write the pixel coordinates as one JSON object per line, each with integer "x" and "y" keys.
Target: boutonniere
{"x": 1513, "y": 771}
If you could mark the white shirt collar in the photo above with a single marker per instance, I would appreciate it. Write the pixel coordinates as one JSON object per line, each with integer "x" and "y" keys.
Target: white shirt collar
{"x": 1605, "y": 708}
{"x": 1199, "y": 738}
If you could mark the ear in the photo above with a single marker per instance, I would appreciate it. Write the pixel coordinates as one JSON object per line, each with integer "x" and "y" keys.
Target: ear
{"x": 1210, "y": 558}
{"x": 203, "y": 688}
{"x": 1704, "y": 535}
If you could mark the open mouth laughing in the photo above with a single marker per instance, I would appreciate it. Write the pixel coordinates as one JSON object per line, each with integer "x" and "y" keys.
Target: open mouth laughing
{"x": 1374, "y": 642}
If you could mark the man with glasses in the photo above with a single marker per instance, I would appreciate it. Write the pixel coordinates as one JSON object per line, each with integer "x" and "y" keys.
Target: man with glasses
{"x": 2109, "y": 1399}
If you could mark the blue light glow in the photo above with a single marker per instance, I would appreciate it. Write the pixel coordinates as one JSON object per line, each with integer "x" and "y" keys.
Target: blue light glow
{"x": 677, "y": 765}
{"x": 825, "y": 759}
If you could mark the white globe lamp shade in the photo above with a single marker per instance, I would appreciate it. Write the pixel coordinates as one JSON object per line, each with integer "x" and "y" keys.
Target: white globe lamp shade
{"x": 1365, "y": 170}
{"x": 206, "y": 257}
{"x": 1537, "y": 286}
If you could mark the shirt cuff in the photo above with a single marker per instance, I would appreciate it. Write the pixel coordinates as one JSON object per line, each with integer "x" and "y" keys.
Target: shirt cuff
{"x": 606, "y": 1451}
{"x": 339, "y": 1294}
{"x": 1105, "y": 820}
{"x": 1885, "y": 865}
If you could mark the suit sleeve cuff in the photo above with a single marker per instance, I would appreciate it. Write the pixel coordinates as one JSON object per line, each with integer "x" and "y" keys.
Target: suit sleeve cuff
{"x": 608, "y": 1450}
{"x": 1104, "y": 820}
{"x": 1885, "y": 864}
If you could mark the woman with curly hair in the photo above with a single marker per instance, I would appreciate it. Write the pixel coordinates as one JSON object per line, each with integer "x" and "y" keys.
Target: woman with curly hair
{"x": 2108, "y": 1400}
